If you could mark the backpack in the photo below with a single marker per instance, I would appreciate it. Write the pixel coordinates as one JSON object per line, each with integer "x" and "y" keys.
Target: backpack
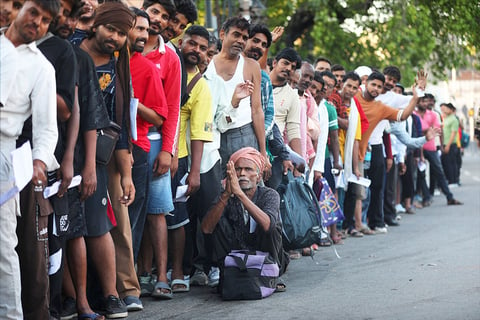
{"x": 300, "y": 213}
{"x": 249, "y": 275}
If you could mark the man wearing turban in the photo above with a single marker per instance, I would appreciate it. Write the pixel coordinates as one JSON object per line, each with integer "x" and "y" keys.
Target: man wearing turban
{"x": 246, "y": 215}
{"x": 106, "y": 44}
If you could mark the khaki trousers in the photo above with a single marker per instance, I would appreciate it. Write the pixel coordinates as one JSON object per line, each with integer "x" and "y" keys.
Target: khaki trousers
{"x": 127, "y": 281}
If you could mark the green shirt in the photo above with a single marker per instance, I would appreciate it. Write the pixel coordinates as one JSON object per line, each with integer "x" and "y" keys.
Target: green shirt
{"x": 450, "y": 124}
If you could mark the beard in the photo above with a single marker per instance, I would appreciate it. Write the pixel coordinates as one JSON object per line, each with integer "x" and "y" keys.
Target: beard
{"x": 191, "y": 58}
{"x": 155, "y": 32}
{"x": 254, "y": 53}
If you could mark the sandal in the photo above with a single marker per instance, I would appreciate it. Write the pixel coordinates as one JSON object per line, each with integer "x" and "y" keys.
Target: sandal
{"x": 180, "y": 285}
{"x": 336, "y": 239}
{"x": 325, "y": 242}
{"x": 409, "y": 210}
{"x": 354, "y": 233}
{"x": 367, "y": 231}
{"x": 159, "y": 293}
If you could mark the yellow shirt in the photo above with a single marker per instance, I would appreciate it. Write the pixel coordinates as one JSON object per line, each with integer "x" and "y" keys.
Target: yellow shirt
{"x": 342, "y": 135}
{"x": 195, "y": 116}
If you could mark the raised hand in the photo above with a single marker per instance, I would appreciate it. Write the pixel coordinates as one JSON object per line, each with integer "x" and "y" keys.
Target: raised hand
{"x": 277, "y": 33}
{"x": 422, "y": 79}
{"x": 242, "y": 90}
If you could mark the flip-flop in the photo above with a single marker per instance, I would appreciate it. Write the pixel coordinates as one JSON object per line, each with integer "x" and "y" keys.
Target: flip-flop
{"x": 325, "y": 242}
{"x": 159, "y": 294}
{"x": 367, "y": 231}
{"x": 355, "y": 233}
{"x": 90, "y": 316}
{"x": 184, "y": 285}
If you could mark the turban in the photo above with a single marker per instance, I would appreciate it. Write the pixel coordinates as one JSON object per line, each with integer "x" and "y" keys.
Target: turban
{"x": 251, "y": 154}
{"x": 363, "y": 71}
{"x": 115, "y": 13}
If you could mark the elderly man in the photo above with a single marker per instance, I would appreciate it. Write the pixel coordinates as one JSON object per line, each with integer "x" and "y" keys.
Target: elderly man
{"x": 246, "y": 216}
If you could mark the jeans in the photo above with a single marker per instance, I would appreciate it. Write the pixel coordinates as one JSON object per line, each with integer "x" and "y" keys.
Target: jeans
{"x": 437, "y": 172}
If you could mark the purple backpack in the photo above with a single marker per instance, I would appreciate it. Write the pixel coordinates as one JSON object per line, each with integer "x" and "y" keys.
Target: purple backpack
{"x": 249, "y": 275}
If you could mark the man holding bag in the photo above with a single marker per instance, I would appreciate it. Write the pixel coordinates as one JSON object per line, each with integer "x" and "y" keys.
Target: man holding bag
{"x": 246, "y": 216}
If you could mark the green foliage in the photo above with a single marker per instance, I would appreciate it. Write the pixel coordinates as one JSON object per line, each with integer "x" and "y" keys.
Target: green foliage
{"x": 411, "y": 34}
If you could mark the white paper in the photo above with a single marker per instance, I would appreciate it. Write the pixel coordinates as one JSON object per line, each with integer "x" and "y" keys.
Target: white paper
{"x": 422, "y": 166}
{"x": 253, "y": 225}
{"x": 361, "y": 181}
{"x": 133, "y": 117}
{"x": 53, "y": 189}
{"x": 182, "y": 190}
{"x": 22, "y": 167}
{"x": 340, "y": 180}
{"x": 180, "y": 195}
{"x": 55, "y": 261}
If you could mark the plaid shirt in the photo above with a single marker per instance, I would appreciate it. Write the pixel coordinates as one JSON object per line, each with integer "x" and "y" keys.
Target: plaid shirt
{"x": 267, "y": 102}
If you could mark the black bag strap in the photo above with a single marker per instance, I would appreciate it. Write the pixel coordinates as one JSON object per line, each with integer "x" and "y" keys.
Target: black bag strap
{"x": 241, "y": 263}
{"x": 193, "y": 82}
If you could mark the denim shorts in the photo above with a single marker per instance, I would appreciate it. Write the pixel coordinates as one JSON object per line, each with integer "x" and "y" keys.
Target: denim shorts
{"x": 159, "y": 199}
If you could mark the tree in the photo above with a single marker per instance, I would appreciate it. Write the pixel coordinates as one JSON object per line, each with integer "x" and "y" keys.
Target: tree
{"x": 411, "y": 34}
{"x": 438, "y": 35}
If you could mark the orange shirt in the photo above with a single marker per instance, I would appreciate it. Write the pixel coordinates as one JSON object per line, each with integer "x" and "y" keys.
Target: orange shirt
{"x": 375, "y": 111}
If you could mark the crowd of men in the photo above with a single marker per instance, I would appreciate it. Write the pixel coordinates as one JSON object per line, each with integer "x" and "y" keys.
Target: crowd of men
{"x": 194, "y": 171}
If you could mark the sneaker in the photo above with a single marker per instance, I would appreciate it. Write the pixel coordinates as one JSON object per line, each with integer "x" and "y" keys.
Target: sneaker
{"x": 146, "y": 285}
{"x": 399, "y": 208}
{"x": 133, "y": 303}
{"x": 199, "y": 278}
{"x": 115, "y": 308}
{"x": 213, "y": 277}
{"x": 69, "y": 309}
{"x": 381, "y": 230}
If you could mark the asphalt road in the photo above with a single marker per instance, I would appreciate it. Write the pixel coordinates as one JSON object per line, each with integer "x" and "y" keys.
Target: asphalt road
{"x": 427, "y": 268}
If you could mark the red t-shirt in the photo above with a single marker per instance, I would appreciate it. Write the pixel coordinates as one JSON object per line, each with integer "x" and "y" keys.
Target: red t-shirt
{"x": 171, "y": 74}
{"x": 148, "y": 89}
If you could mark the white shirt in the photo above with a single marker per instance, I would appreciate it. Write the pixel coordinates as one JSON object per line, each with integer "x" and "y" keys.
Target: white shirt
{"x": 34, "y": 93}
{"x": 398, "y": 101}
{"x": 8, "y": 67}
{"x": 287, "y": 111}
{"x": 210, "y": 154}
{"x": 319, "y": 163}
{"x": 394, "y": 100}
{"x": 233, "y": 117}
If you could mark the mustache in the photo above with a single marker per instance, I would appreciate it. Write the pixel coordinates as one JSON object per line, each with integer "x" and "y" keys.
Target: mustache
{"x": 257, "y": 51}
{"x": 141, "y": 39}
{"x": 243, "y": 179}
{"x": 151, "y": 31}
{"x": 193, "y": 54}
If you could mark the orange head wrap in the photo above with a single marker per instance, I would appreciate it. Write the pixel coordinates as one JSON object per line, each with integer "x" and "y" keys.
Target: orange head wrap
{"x": 252, "y": 154}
